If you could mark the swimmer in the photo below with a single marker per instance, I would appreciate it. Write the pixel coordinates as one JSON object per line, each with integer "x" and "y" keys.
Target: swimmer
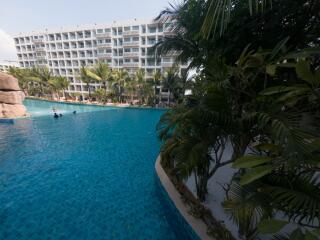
{"x": 55, "y": 115}
{"x": 74, "y": 112}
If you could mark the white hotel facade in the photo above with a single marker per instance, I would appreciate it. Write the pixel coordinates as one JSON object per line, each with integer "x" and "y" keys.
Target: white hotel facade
{"x": 119, "y": 44}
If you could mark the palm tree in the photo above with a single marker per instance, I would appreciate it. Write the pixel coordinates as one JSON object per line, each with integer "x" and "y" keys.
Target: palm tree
{"x": 103, "y": 74}
{"x": 62, "y": 83}
{"x": 157, "y": 78}
{"x": 262, "y": 102}
{"x": 43, "y": 75}
{"x": 24, "y": 77}
{"x": 121, "y": 78}
{"x": 173, "y": 83}
{"x": 219, "y": 11}
{"x": 87, "y": 77}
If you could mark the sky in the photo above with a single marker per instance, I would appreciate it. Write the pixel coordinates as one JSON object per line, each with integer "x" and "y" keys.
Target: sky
{"x": 36, "y": 15}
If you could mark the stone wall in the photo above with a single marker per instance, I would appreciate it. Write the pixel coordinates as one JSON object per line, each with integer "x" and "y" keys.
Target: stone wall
{"x": 11, "y": 98}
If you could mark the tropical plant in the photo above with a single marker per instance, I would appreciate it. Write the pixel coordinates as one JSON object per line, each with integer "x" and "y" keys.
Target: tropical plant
{"x": 42, "y": 76}
{"x": 174, "y": 83}
{"x": 121, "y": 79}
{"x": 100, "y": 95}
{"x": 156, "y": 81}
{"x": 257, "y": 109}
{"x": 25, "y": 78}
{"x": 103, "y": 74}
{"x": 87, "y": 77}
{"x": 59, "y": 83}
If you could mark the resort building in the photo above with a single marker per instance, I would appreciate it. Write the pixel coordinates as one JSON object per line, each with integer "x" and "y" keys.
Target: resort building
{"x": 119, "y": 44}
{"x": 5, "y": 64}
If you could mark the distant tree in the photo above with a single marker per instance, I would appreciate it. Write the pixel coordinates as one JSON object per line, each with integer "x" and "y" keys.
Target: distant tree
{"x": 87, "y": 77}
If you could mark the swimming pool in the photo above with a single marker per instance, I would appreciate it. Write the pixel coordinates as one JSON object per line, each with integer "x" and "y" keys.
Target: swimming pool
{"x": 43, "y": 108}
{"x": 84, "y": 176}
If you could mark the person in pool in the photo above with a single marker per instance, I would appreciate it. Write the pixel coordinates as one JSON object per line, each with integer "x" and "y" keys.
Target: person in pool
{"x": 55, "y": 115}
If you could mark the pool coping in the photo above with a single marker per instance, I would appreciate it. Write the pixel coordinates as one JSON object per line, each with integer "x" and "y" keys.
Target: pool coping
{"x": 198, "y": 226}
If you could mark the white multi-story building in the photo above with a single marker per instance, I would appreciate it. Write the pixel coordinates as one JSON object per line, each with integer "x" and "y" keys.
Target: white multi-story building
{"x": 119, "y": 44}
{"x": 6, "y": 64}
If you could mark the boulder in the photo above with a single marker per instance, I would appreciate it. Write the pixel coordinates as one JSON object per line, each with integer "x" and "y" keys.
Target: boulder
{"x": 8, "y": 82}
{"x": 12, "y": 110}
{"x": 11, "y": 97}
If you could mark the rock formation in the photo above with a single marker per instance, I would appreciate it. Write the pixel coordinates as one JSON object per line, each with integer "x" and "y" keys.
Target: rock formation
{"x": 11, "y": 98}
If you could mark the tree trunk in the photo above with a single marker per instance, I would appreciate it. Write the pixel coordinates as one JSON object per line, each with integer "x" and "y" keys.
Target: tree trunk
{"x": 105, "y": 87}
{"x": 120, "y": 94}
{"x": 89, "y": 90}
{"x": 202, "y": 179}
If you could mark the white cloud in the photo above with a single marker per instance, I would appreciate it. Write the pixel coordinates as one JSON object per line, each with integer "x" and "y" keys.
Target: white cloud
{"x": 7, "y": 47}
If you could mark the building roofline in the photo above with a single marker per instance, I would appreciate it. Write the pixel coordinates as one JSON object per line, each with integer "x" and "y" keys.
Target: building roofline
{"x": 86, "y": 27}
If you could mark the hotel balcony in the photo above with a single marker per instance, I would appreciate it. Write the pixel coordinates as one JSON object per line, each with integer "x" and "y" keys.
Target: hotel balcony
{"x": 104, "y": 55}
{"x": 40, "y": 57}
{"x": 104, "y": 45}
{"x": 131, "y": 64}
{"x": 131, "y": 44}
{"x": 103, "y": 35}
{"x": 41, "y": 64}
{"x": 131, "y": 33}
{"x": 130, "y": 54}
{"x": 167, "y": 64}
{"x": 40, "y": 49}
{"x": 39, "y": 40}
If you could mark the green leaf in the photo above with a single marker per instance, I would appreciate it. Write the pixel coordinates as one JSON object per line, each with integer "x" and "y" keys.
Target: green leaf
{"x": 303, "y": 71}
{"x": 274, "y": 90}
{"x": 310, "y": 236}
{"x": 269, "y": 147}
{"x": 316, "y": 232}
{"x": 271, "y": 226}
{"x": 255, "y": 174}
{"x": 271, "y": 69}
{"x": 297, "y": 235}
{"x": 250, "y": 161}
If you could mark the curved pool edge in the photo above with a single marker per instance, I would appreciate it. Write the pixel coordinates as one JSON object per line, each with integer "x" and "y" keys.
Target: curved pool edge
{"x": 198, "y": 226}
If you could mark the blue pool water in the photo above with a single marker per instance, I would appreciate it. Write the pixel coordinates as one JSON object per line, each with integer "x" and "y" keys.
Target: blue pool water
{"x": 84, "y": 176}
{"x": 44, "y": 108}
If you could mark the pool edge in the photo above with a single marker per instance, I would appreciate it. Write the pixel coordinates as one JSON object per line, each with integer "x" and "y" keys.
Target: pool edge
{"x": 198, "y": 226}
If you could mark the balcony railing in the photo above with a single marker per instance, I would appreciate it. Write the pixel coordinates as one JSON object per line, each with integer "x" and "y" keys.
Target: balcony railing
{"x": 130, "y": 54}
{"x": 104, "y": 45}
{"x": 131, "y": 64}
{"x": 39, "y": 40}
{"x": 127, "y": 44}
{"x": 131, "y": 33}
{"x": 40, "y": 49}
{"x": 103, "y": 35}
{"x": 167, "y": 64}
{"x": 104, "y": 55}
